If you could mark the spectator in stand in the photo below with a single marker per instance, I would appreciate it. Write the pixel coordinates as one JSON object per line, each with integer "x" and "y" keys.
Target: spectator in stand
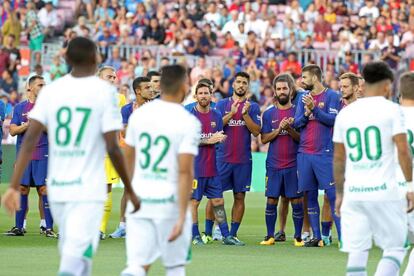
{"x": 221, "y": 85}
{"x": 348, "y": 65}
{"x": 251, "y": 49}
{"x": 380, "y": 43}
{"x": 38, "y": 70}
{"x": 274, "y": 27}
{"x": 232, "y": 25}
{"x": 294, "y": 11}
{"x": 154, "y": 34}
{"x": 291, "y": 65}
{"x": 4, "y": 59}
{"x": 34, "y": 29}
{"x": 58, "y": 69}
{"x": 12, "y": 26}
{"x": 304, "y": 31}
{"x": 213, "y": 17}
{"x": 7, "y": 83}
{"x": 198, "y": 44}
{"x": 370, "y": 11}
{"x": 321, "y": 26}
{"x": 48, "y": 17}
{"x": 14, "y": 55}
{"x": 257, "y": 25}
{"x": 103, "y": 12}
{"x": 106, "y": 39}
{"x": 391, "y": 53}
{"x": 114, "y": 60}
{"x": 407, "y": 39}
{"x": 199, "y": 70}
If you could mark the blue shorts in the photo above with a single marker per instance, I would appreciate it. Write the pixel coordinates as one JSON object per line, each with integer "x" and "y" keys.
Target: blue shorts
{"x": 35, "y": 174}
{"x": 282, "y": 182}
{"x": 315, "y": 171}
{"x": 235, "y": 177}
{"x": 206, "y": 186}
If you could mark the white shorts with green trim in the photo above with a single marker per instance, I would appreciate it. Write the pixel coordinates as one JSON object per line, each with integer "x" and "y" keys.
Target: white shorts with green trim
{"x": 78, "y": 227}
{"x": 147, "y": 240}
{"x": 384, "y": 222}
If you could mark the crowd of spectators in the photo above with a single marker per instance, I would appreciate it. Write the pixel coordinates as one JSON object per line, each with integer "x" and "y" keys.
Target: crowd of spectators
{"x": 260, "y": 37}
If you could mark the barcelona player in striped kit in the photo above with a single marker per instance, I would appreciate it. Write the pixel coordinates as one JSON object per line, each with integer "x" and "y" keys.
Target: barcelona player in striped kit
{"x": 241, "y": 118}
{"x": 206, "y": 182}
{"x": 315, "y": 117}
{"x": 281, "y": 171}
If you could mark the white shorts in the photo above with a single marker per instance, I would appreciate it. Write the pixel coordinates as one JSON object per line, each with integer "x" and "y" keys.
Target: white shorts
{"x": 383, "y": 222}
{"x": 147, "y": 240}
{"x": 78, "y": 227}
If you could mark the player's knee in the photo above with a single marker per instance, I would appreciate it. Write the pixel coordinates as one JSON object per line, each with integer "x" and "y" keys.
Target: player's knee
{"x": 195, "y": 203}
{"x": 24, "y": 190}
{"x": 297, "y": 200}
{"x": 395, "y": 255}
{"x": 42, "y": 190}
{"x": 272, "y": 200}
{"x": 239, "y": 197}
{"x": 217, "y": 201}
{"x": 175, "y": 271}
{"x": 285, "y": 200}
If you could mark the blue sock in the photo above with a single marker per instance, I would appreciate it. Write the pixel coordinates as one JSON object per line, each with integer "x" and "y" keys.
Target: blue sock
{"x": 234, "y": 228}
{"x": 209, "y": 227}
{"x": 48, "y": 215}
{"x": 313, "y": 213}
{"x": 271, "y": 217}
{"x": 224, "y": 229}
{"x": 22, "y": 212}
{"x": 196, "y": 232}
{"x": 297, "y": 215}
{"x": 326, "y": 228}
{"x": 331, "y": 193}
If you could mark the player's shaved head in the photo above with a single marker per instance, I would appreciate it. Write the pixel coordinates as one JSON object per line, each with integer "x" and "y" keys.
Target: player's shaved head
{"x": 407, "y": 85}
{"x": 377, "y": 71}
{"x": 81, "y": 52}
{"x": 107, "y": 73}
{"x": 172, "y": 78}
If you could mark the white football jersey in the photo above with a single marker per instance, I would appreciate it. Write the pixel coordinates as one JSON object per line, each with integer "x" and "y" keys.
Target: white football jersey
{"x": 366, "y": 128}
{"x": 160, "y": 131}
{"x": 77, "y": 112}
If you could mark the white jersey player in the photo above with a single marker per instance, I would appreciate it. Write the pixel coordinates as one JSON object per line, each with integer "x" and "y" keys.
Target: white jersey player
{"x": 368, "y": 198}
{"x": 407, "y": 102}
{"x": 80, "y": 114}
{"x": 162, "y": 139}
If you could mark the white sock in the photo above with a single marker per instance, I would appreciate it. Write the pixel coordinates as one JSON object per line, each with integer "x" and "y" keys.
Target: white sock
{"x": 43, "y": 223}
{"x": 410, "y": 266}
{"x": 71, "y": 266}
{"x": 137, "y": 271}
{"x": 357, "y": 264}
{"x": 122, "y": 225}
{"x": 175, "y": 271}
{"x": 390, "y": 263}
{"x": 87, "y": 268}
{"x": 24, "y": 223}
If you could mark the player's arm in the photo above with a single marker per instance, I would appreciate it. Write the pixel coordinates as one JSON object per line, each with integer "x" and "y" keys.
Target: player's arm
{"x": 301, "y": 119}
{"x": 123, "y": 131}
{"x": 293, "y": 133}
{"x": 117, "y": 158}
{"x": 339, "y": 173}
{"x": 327, "y": 118}
{"x": 185, "y": 180}
{"x": 16, "y": 125}
{"x": 253, "y": 126}
{"x": 268, "y": 134}
{"x": 11, "y": 199}
{"x": 130, "y": 160}
{"x": 216, "y": 138}
{"x": 227, "y": 117}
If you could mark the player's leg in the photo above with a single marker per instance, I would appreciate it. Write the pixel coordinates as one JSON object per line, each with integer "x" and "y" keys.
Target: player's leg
{"x": 331, "y": 194}
{"x": 241, "y": 178}
{"x": 120, "y": 232}
{"x": 77, "y": 247}
{"x": 306, "y": 229}
{"x": 106, "y": 213}
{"x": 280, "y": 236}
{"x": 273, "y": 190}
{"x": 390, "y": 233}
{"x": 297, "y": 216}
{"x": 41, "y": 213}
{"x": 326, "y": 221}
{"x": 209, "y": 223}
{"x": 357, "y": 263}
{"x": 313, "y": 213}
{"x": 196, "y": 197}
{"x": 410, "y": 266}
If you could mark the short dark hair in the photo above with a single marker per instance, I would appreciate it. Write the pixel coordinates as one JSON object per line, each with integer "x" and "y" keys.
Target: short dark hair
{"x": 172, "y": 77}
{"x": 136, "y": 83}
{"x": 351, "y": 76}
{"x": 81, "y": 51}
{"x": 202, "y": 84}
{"x": 377, "y": 71}
{"x": 150, "y": 74}
{"x": 407, "y": 85}
{"x": 285, "y": 77}
{"x": 33, "y": 78}
{"x": 243, "y": 75}
{"x": 314, "y": 69}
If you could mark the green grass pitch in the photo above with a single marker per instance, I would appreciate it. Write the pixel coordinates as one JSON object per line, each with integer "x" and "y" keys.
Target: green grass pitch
{"x": 36, "y": 255}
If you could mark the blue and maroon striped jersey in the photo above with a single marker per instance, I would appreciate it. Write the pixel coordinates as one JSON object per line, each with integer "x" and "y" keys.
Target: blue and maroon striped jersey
{"x": 283, "y": 149}
{"x": 20, "y": 113}
{"x": 205, "y": 161}
{"x": 316, "y": 130}
{"x": 237, "y": 147}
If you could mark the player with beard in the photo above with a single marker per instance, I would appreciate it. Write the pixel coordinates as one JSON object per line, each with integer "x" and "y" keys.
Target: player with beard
{"x": 315, "y": 117}
{"x": 206, "y": 182}
{"x": 143, "y": 94}
{"x": 241, "y": 118}
{"x": 349, "y": 83}
{"x": 281, "y": 171}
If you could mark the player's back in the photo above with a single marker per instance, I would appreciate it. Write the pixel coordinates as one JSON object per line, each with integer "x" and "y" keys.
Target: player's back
{"x": 409, "y": 123}
{"x": 160, "y": 131}
{"x": 367, "y": 128}
{"x": 76, "y": 112}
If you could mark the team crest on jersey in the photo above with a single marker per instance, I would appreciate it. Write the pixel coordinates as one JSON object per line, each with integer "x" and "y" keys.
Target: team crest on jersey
{"x": 213, "y": 124}
{"x": 321, "y": 104}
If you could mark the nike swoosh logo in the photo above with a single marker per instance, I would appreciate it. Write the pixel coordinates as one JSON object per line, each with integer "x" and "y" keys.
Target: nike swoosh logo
{"x": 274, "y": 121}
{"x": 332, "y": 183}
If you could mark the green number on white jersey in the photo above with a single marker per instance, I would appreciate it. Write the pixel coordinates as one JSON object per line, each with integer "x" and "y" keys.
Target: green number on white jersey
{"x": 63, "y": 133}
{"x": 371, "y": 139}
{"x": 145, "y": 160}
